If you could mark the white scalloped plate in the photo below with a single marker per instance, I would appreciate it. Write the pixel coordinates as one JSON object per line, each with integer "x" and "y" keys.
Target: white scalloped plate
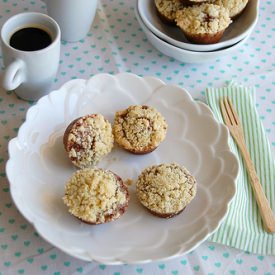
{"x": 38, "y": 169}
{"x": 237, "y": 30}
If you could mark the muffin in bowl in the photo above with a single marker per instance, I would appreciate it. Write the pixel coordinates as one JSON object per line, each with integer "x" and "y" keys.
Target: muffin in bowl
{"x": 88, "y": 139}
{"x": 166, "y": 189}
{"x": 203, "y": 24}
{"x": 139, "y": 129}
{"x": 96, "y": 196}
{"x": 235, "y": 7}
{"x": 166, "y": 9}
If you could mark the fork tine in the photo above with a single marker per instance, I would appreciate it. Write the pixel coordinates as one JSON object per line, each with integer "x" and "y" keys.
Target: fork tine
{"x": 233, "y": 111}
{"x": 229, "y": 109}
{"x": 226, "y": 118}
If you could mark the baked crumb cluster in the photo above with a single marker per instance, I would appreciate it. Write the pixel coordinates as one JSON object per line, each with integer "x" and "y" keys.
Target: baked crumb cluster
{"x": 88, "y": 139}
{"x": 95, "y": 196}
{"x": 166, "y": 188}
{"x": 168, "y": 9}
{"x": 203, "y": 19}
{"x": 233, "y": 6}
{"x": 197, "y": 1}
{"x": 139, "y": 128}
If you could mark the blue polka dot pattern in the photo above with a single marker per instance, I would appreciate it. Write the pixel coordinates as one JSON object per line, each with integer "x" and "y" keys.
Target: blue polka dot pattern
{"x": 115, "y": 44}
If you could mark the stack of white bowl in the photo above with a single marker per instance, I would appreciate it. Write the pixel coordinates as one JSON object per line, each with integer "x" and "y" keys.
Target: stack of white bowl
{"x": 171, "y": 41}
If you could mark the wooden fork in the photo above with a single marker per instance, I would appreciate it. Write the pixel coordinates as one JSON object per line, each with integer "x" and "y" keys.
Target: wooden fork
{"x": 233, "y": 123}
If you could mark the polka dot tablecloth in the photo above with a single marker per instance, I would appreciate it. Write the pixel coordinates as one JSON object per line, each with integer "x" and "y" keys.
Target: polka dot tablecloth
{"x": 115, "y": 44}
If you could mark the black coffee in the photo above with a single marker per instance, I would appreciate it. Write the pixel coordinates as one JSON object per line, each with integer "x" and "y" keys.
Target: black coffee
{"x": 30, "y": 39}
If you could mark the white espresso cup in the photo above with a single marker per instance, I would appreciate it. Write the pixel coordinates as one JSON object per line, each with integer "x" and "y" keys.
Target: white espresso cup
{"x": 29, "y": 69}
{"x": 74, "y": 17}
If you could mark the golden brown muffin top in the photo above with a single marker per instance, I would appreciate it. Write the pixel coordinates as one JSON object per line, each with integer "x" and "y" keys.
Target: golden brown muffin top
{"x": 199, "y": 1}
{"x": 234, "y": 6}
{"x": 168, "y": 8}
{"x": 89, "y": 138}
{"x": 203, "y": 19}
{"x": 93, "y": 194}
{"x": 166, "y": 188}
{"x": 139, "y": 128}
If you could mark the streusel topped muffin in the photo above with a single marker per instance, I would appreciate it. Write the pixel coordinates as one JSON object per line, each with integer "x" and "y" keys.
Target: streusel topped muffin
{"x": 96, "y": 196}
{"x": 166, "y": 189}
{"x": 203, "y": 23}
{"x": 167, "y": 9}
{"x": 88, "y": 139}
{"x": 139, "y": 129}
{"x": 235, "y": 7}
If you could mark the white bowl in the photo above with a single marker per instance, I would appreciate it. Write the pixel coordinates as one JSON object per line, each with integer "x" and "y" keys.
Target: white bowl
{"x": 183, "y": 55}
{"x": 236, "y": 32}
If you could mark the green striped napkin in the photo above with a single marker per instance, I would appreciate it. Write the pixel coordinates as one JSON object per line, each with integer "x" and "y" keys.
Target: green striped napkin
{"x": 242, "y": 227}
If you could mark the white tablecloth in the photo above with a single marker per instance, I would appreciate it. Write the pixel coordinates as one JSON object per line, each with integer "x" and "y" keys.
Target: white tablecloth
{"x": 115, "y": 44}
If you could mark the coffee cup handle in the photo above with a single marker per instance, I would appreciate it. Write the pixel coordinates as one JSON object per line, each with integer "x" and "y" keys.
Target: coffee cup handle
{"x": 14, "y": 75}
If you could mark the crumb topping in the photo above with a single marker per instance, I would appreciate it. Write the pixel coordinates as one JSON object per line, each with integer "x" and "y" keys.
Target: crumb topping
{"x": 166, "y": 188}
{"x": 168, "y": 8}
{"x": 203, "y": 19}
{"x": 234, "y": 6}
{"x": 139, "y": 128}
{"x": 89, "y": 139}
{"x": 94, "y": 195}
{"x": 200, "y": 1}
{"x": 129, "y": 182}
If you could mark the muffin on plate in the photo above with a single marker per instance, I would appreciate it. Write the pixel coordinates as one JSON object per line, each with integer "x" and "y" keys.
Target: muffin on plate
{"x": 88, "y": 139}
{"x": 166, "y": 189}
{"x": 235, "y": 7}
{"x": 139, "y": 129}
{"x": 96, "y": 196}
{"x": 166, "y": 9}
{"x": 203, "y": 24}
